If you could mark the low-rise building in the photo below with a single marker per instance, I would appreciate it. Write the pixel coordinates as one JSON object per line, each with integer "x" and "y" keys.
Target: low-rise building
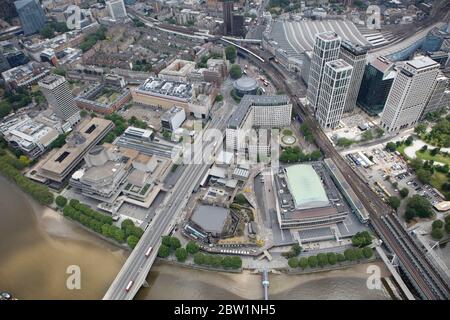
{"x": 104, "y": 98}
{"x": 177, "y": 70}
{"x": 25, "y": 75}
{"x": 196, "y": 99}
{"x": 173, "y": 118}
{"x": 63, "y": 161}
{"x": 103, "y": 175}
{"x": 306, "y": 199}
{"x": 257, "y": 111}
{"x": 28, "y": 135}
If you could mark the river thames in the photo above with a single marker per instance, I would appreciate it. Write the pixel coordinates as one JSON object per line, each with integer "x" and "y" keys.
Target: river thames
{"x": 37, "y": 245}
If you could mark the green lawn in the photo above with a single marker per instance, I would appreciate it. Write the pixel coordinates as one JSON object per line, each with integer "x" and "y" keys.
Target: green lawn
{"x": 401, "y": 149}
{"x": 438, "y": 179}
{"x": 427, "y": 156}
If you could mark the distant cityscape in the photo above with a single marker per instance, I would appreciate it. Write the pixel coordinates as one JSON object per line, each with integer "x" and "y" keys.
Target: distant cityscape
{"x": 266, "y": 136}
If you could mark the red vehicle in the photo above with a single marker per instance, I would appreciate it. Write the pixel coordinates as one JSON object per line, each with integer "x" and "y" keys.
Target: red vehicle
{"x": 148, "y": 252}
{"x": 129, "y": 285}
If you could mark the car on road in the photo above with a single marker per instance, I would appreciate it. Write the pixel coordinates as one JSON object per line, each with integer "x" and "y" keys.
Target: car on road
{"x": 147, "y": 254}
{"x": 129, "y": 285}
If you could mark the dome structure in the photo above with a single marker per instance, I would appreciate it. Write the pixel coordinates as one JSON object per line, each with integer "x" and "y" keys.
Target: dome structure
{"x": 245, "y": 85}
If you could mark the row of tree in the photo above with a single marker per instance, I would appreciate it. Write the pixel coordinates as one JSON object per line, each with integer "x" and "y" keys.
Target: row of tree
{"x": 295, "y": 154}
{"x": 216, "y": 261}
{"x": 171, "y": 245}
{"x": 101, "y": 223}
{"x": 438, "y": 227}
{"x": 10, "y": 168}
{"x": 331, "y": 258}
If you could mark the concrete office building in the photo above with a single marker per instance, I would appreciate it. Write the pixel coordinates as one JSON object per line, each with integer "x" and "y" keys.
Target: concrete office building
{"x": 257, "y": 111}
{"x": 103, "y": 175}
{"x": 409, "y": 93}
{"x": 436, "y": 100}
{"x": 326, "y": 48}
{"x": 333, "y": 93}
{"x": 31, "y": 15}
{"x": 116, "y": 9}
{"x": 29, "y": 136}
{"x": 377, "y": 81}
{"x": 57, "y": 92}
{"x": 355, "y": 56}
{"x": 61, "y": 163}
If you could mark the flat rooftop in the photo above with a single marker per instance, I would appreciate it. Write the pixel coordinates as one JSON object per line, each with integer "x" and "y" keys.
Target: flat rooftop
{"x": 255, "y": 100}
{"x": 210, "y": 218}
{"x": 77, "y": 145}
{"x": 422, "y": 62}
{"x": 306, "y": 187}
{"x": 339, "y": 65}
{"x": 164, "y": 87}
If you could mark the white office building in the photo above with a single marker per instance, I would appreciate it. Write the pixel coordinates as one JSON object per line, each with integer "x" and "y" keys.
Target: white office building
{"x": 116, "y": 9}
{"x": 354, "y": 55}
{"x": 437, "y": 99}
{"x": 409, "y": 93}
{"x": 333, "y": 92}
{"x": 172, "y": 119}
{"x": 326, "y": 48}
{"x": 256, "y": 111}
{"x": 60, "y": 99}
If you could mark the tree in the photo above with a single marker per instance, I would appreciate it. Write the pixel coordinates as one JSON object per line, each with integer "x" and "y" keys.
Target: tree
{"x": 424, "y": 176}
{"x": 424, "y": 148}
{"x": 362, "y": 239}
{"x": 126, "y": 223}
{"x": 349, "y": 254}
{"x": 367, "y": 252}
{"x": 236, "y": 262}
{"x": 235, "y": 71}
{"x": 312, "y": 261}
{"x": 367, "y": 135}
{"x": 175, "y": 243}
{"x": 322, "y": 259}
{"x": 409, "y": 141}
{"x": 303, "y": 262}
{"x": 219, "y": 98}
{"x": 240, "y": 199}
{"x": 332, "y": 259}
{"x": 394, "y": 202}
{"x": 61, "y": 201}
{"x": 404, "y": 192}
{"x": 163, "y": 251}
{"x": 391, "y": 146}
{"x": 344, "y": 142}
{"x": 418, "y": 206}
{"x": 165, "y": 240}
{"x": 181, "y": 254}
{"x": 420, "y": 128}
{"x": 296, "y": 249}
{"x": 293, "y": 262}
{"x": 437, "y": 234}
{"x": 24, "y": 160}
{"x": 340, "y": 257}
{"x": 199, "y": 258}
{"x": 437, "y": 224}
{"x": 192, "y": 247}
{"x": 231, "y": 53}
{"x": 132, "y": 241}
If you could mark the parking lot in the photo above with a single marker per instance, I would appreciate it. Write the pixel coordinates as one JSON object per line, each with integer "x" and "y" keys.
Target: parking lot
{"x": 388, "y": 173}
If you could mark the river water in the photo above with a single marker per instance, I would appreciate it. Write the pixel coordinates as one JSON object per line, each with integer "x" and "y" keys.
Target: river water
{"x": 37, "y": 246}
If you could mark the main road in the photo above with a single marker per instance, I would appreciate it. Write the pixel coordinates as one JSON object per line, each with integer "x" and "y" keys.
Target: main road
{"x": 137, "y": 266}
